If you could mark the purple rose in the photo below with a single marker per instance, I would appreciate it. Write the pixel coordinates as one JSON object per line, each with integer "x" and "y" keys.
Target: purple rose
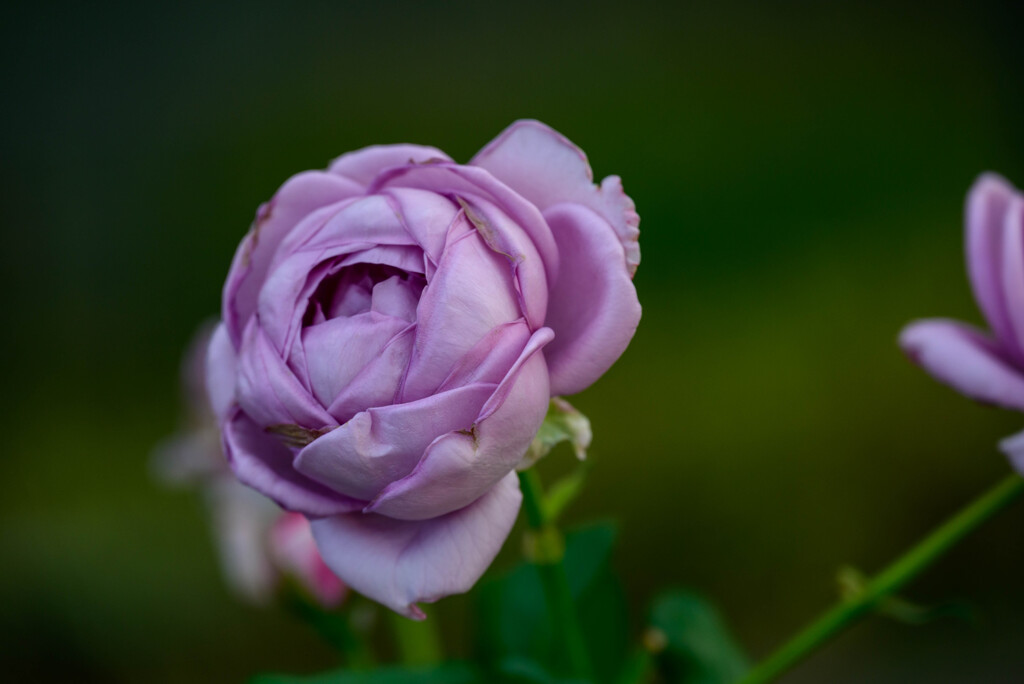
{"x": 987, "y": 367}
{"x": 393, "y": 330}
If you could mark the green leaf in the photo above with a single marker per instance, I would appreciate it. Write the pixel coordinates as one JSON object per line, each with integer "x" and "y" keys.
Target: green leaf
{"x": 519, "y": 670}
{"x": 447, "y": 673}
{"x": 697, "y": 645}
{"x": 563, "y": 423}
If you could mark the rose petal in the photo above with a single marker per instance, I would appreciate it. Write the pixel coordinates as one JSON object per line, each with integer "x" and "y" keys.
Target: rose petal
{"x": 426, "y": 216}
{"x": 294, "y": 550}
{"x": 546, "y": 168}
{"x": 396, "y": 297}
{"x": 338, "y": 349}
{"x": 400, "y": 563}
{"x": 241, "y": 517}
{"x": 294, "y": 201}
{"x": 965, "y": 359}
{"x": 221, "y": 363}
{"x": 986, "y": 209}
{"x": 381, "y": 445}
{"x": 460, "y": 466}
{"x": 363, "y": 165}
{"x": 267, "y": 389}
{"x": 593, "y": 309}
{"x": 378, "y": 382}
{"x": 470, "y": 294}
{"x": 1013, "y": 274}
{"x": 491, "y": 358}
{"x": 1013, "y": 447}
{"x": 263, "y": 462}
{"x": 463, "y": 181}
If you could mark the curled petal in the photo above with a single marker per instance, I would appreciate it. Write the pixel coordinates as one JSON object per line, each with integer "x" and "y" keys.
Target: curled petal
{"x": 1013, "y": 272}
{"x": 546, "y": 168}
{"x": 378, "y": 382}
{"x": 460, "y": 466}
{"x": 965, "y": 359}
{"x": 383, "y": 444}
{"x": 363, "y": 165}
{"x": 267, "y": 389}
{"x": 263, "y": 462}
{"x": 294, "y": 201}
{"x": 593, "y": 309}
{"x": 401, "y": 563}
{"x": 462, "y": 181}
{"x": 986, "y": 210}
{"x": 470, "y": 294}
{"x": 338, "y": 349}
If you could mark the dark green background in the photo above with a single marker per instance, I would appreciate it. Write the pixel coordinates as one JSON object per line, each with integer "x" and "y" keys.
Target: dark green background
{"x": 800, "y": 170}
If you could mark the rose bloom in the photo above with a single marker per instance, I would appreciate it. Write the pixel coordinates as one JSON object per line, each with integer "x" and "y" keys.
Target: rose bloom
{"x": 393, "y": 330}
{"x": 257, "y": 543}
{"x": 987, "y": 367}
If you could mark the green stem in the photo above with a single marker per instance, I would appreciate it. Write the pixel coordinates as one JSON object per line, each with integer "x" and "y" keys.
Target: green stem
{"x": 335, "y": 629}
{"x": 890, "y": 580}
{"x": 417, "y": 642}
{"x": 561, "y": 610}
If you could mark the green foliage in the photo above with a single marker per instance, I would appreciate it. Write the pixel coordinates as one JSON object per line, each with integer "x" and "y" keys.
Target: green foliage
{"x": 694, "y": 644}
{"x": 515, "y": 634}
{"x": 447, "y": 673}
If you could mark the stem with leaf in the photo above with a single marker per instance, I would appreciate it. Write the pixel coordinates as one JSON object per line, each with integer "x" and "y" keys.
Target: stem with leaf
{"x": 890, "y": 580}
{"x": 546, "y": 549}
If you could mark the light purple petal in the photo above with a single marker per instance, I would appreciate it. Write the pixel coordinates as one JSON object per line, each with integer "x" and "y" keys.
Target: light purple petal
{"x": 460, "y": 466}
{"x": 383, "y": 444}
{"x": 491, "y": 358}
{"x": 402, "y": 563}
{"x": 1013, "y": 447}
{"x": 338, "y": 349}
{"x": 221, "y": 362}
{"x": 470, "y": 294}
{"x": 263, "y": 462}
{"x": 378, "y": 382}
{"x": 363, "y": 165}
{"x": 426, "y": 216}
{"x": 1013, "y": 273}
{"x": 592, "y": 308}
{"x": 396, "y": 297}
{"x": 965, "y": 359}
{"x": 546, "y": 168}
{"x": 508, "y": 240}
{"x": 470, "y": 181}
{"x": 294, "y": 201}
{"x": 268, "y": 390}
{"x": 986, "y": 209}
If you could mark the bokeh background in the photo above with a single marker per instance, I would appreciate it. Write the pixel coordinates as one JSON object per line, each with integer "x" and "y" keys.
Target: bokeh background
{"x": 800, "y": 170}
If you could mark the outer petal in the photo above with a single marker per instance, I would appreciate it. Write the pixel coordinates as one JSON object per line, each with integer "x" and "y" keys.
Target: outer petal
{"x": 460, "y": 466}
{"x": 297, "y": 198}
{"x": 363, "y": 165}
{"x": 221, "y": 366}
{"x": 261, "y": 461}
{"x": 593, "y": 307}
{"x": 400, "y": 563}
{"x": 964, "y": 358}
{"x": 381, "y": 445}
{"x": 986, "y": 210}
{"x": 546, "y": 168}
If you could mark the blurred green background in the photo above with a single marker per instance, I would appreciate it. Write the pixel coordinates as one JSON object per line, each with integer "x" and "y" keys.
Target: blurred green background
{"x": 800, "y": 170}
